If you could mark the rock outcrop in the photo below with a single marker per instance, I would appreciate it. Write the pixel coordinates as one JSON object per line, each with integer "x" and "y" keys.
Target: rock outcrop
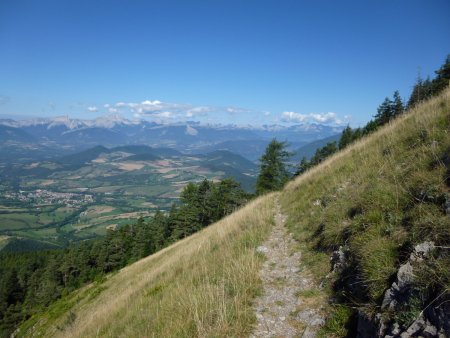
{"x": 433, "y": 321}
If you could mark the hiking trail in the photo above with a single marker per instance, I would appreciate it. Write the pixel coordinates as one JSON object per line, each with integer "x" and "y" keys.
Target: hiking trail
{"x": 285, "y": 308}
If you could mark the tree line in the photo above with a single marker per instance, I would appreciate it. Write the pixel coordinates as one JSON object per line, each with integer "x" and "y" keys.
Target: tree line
{"x": 29, "y": 282}
{"x": 273, "y": 164}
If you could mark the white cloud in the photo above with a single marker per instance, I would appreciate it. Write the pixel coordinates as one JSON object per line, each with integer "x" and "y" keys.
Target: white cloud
{"x": 156, "y": 109}
{"x": 151, "y": 103}
{"x": 235, "y": 110}
{"x": 324, "y": 118}
{"x": 290, "y": 116}
{"x": 92, "y": 109}
{"x": 163, "y": 117}
{"x": 165, "y": 114}
{"x": 199, "y": 111}
{"x": 266, "y": 113}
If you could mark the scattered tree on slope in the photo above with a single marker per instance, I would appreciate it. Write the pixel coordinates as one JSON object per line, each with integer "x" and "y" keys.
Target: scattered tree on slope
{"x": 273, "y": 172}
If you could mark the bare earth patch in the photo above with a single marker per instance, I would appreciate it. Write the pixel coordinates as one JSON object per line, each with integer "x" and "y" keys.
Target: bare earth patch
{"x": 170, "y": 175}
{"x": 164, "y": 170}
{"x": 101, "y": 209}
{"x": 130, "y": 166}
{"x": 129, "y": 215}
{"x": 111, "y": 227}
{"x": 3, "y": 238}
{"x": 46, "y": 183}
{"x": 286, "y": 307}
{"x": 99, "y": 160}
{"x": 163, "y": 163}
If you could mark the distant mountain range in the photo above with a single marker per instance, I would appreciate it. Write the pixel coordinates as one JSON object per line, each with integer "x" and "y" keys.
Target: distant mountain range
{"x": 46, "y": 134}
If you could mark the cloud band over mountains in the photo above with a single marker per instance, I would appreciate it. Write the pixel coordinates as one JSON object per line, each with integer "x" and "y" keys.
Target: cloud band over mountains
{"x": 160, "y": 111}
{"x": 324, "y": 118}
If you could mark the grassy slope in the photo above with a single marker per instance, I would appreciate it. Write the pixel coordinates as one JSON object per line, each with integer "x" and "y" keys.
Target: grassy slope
{"x": 379, "y": 198}
{"x": 200, "y": 286}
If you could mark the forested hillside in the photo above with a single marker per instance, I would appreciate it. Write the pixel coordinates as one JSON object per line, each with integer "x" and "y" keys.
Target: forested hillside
{"x": 31, "y": 281}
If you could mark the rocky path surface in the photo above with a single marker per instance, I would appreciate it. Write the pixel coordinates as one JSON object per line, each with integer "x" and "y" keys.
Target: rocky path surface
{"x": 288, "y": 306}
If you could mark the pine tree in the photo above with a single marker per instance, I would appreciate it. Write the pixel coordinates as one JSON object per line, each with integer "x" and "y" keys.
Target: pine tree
{"x": 346, "y": 137}
{"x": 322, "y": 153}
{"x": 397, "y": 104}
{"x": 422, "y": 90}
{"x": 159, "y": 230}
{"x": 302, "y": 166}
{"x": 370, "y": 127}
{"x": 205, "y": 208}
{"x": 442, "y": 79}
{"x": 227, "y": 197}
{"x": 385, "y": 112}
{"x": 273, "y": 173}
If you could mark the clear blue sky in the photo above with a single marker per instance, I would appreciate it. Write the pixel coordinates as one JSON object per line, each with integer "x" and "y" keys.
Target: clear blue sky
{"x": 245, "y": 61}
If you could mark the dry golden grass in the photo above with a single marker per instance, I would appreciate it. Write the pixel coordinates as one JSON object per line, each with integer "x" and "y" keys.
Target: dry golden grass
{"x": 201, "y": 286}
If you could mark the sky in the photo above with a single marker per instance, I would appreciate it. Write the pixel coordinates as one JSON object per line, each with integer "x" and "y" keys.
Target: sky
{"x": 216, "y": 61}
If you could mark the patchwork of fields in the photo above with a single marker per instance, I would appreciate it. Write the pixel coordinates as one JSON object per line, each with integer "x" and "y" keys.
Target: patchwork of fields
{"x": 56, "y": 203}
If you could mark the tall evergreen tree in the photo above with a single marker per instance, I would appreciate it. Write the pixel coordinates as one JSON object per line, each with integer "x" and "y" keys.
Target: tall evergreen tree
{"x": 385, "y": 112}
{"x": 397, "y": 104}
{"x": 322, "y": 153}
{"x": 159, "y": 229}
{"x": 302, "y": 166}
{"x": 273, "y": 173}
{"x": 422, "y": 90}
{"x": 442, "y": 79}
{"x": 346, "y": 137}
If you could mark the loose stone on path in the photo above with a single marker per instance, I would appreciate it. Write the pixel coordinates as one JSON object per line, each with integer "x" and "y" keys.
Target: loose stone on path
{"x": 280, "y": 312}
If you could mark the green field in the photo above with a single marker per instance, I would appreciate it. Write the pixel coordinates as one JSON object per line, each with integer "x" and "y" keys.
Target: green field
{"x": 60, "y": 203}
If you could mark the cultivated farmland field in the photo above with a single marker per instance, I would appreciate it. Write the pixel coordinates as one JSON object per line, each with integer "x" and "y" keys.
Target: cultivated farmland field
{"x": 87, "y": 194}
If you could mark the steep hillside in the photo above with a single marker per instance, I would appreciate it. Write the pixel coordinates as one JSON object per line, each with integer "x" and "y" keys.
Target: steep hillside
{"x": 200, "y": 286}
{"x": 379, "y": 210}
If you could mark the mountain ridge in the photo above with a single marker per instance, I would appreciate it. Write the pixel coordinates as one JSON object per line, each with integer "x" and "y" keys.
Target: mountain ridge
{"x": 66, "y": 135}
